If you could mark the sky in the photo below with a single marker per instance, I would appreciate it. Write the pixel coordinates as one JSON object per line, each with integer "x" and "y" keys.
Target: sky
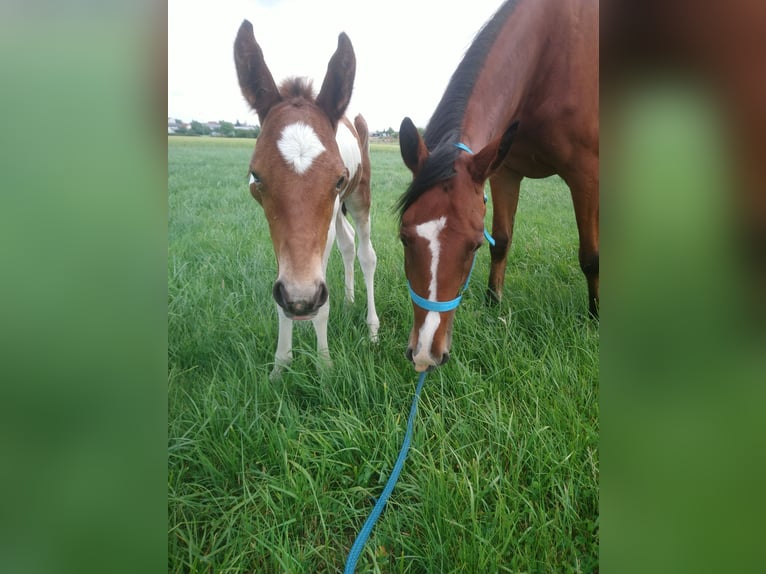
{"x": 406, "y": 52}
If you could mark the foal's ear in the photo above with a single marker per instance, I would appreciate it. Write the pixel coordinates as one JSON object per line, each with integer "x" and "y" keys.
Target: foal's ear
{"x": 255, "y": 79}
{"x": 338, "y": 83}
{"x": 411, "y": 145}
{"x": 489, "y": 159}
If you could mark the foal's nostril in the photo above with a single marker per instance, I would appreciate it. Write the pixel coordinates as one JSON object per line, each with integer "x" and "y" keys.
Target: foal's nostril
{"x": 279, "y": 293}
{"x": 303, "y": 306}
{"x": 322, "y": 295}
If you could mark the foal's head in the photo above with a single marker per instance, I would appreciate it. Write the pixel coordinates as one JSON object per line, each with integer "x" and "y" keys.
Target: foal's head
{"x": 442, "y": 226}
{"x": 296, "y": 171}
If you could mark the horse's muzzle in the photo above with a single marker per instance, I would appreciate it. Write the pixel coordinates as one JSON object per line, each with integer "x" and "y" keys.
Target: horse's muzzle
{"x": 431, "y": 362}
{"x": 302, "y": 304}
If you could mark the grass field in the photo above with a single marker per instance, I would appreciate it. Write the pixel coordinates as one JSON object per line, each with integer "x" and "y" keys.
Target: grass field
{"x": 279, "y": 476}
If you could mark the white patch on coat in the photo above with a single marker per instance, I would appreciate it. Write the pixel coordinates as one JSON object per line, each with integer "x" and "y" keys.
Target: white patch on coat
{"x": 299, "y": 146}
{"x": 349, "y": 149}
{"x": 430, "y": 232}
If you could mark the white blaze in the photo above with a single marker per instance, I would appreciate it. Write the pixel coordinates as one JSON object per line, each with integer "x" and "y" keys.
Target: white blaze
{"x": 299, "y": 146}
{"x": 430, "y": 232}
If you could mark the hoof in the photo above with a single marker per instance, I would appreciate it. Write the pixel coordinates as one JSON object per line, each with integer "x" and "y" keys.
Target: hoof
{"x": 324, "y": 363}
{"x": 276, "y": 373}
{"x": 491, "y": 297}
{"x": 279, "y": 368}
{"x": 373, "y": 331}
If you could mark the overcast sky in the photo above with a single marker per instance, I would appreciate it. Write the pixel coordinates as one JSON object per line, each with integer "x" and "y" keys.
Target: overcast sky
{"x": 406, "y": 51}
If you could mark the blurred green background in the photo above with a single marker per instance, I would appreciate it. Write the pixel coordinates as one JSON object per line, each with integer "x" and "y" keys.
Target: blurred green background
{"x": 83, "y": 312}
{"x": 83, "y": 290}
{"x": 682, "y": 394}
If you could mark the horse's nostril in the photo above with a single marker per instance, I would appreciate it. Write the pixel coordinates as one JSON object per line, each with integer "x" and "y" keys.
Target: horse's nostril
{"x": 445, "y": 358}
{"x": 408, "y": 353}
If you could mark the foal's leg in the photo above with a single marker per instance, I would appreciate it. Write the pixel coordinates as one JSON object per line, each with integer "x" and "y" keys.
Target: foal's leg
{"x": 345, "y": 239}
{"x": 320, "y": 326}
{"x": 583, "y": 185}
{"x": 505, "y": 186}
{"x": 368, "y": 261}
{"x": 284, "y": 352}
{"x": 320, "y": 320}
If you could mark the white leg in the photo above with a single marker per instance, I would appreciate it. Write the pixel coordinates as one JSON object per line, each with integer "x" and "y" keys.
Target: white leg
{"x": 345, "y": 238}
{"x": 368, "y": 261}
{"x": 320, "y": 320}
{"x": 284, "y": 352}
{"x": 320, "y": 326}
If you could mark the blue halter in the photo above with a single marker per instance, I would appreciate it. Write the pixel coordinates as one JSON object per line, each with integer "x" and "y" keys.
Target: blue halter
{"x": 444, "y": 306}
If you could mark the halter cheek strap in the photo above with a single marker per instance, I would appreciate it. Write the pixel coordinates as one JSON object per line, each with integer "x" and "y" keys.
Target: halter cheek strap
{"x": 461, "y": 145}
{"x": 444, "y": 306}
{"x": 465, "y": 148}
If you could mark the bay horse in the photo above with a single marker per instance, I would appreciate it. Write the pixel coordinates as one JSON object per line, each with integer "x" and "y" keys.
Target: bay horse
{"x": 523, "y": 102}
{"x": 310, "y": 166}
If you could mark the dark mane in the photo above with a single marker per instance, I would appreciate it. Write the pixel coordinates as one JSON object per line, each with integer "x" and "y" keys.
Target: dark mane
{"x": 443, "y": 128}
{"x": 297, "y": 87}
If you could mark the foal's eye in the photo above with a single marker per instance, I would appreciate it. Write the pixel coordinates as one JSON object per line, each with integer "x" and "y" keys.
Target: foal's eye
{"x": 254, "y": 179}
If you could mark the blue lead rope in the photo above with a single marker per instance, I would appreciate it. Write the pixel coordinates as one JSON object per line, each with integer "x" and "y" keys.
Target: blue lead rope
{"x": 440, "y": 306}
{"x": 364, "y": 533}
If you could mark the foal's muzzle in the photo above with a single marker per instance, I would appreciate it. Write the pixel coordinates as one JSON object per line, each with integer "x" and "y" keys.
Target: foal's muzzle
{"x": 300, "y": 303}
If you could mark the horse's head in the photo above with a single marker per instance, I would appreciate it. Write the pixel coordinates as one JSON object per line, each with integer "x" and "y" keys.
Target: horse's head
{"x": 442, "y": 226}
{"x": 296, "y": 171}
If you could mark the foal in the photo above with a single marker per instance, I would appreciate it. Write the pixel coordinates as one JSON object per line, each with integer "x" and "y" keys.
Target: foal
{"x": 309, "y": 167}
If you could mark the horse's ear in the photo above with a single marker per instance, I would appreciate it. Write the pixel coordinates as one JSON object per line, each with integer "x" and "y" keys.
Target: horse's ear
{"x": 411, "y": 145}
{"x": 489, "y": 159}
{"x": 338, "y": 83}
{"x": 255, "y": 79}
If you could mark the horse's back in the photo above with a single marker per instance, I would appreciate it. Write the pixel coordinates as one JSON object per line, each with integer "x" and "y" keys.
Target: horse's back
{"x": 559, "y": 110}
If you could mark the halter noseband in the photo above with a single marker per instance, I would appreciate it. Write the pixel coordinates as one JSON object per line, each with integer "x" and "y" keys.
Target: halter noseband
{"x": 444, "y": 306}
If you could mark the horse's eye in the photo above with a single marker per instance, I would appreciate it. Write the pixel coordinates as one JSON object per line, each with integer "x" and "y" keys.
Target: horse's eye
{"x": 403, "y": 239}
{"x": 341, "y": 183}
{"x": 254, "y": 179}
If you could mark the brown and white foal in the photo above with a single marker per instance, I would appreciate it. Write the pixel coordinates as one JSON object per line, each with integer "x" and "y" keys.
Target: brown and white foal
{"x": 309, "y": 160}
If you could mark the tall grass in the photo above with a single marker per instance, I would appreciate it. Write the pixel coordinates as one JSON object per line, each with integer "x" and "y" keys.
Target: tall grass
{"x": 279, "y": 476}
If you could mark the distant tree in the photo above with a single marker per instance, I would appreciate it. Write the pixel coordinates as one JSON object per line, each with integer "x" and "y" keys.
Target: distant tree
{"x": 248, "y": 133}
{"x": 199, "y": 129}
{"x": 226, "y": 129}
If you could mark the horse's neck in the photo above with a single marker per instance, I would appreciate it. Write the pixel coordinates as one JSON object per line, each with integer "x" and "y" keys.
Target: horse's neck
{"x": 509, "y": 74}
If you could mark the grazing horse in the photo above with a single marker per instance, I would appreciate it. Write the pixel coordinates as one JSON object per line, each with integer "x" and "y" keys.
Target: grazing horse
{"x": 522, "y": 103}
{"x": 309, "y": 167}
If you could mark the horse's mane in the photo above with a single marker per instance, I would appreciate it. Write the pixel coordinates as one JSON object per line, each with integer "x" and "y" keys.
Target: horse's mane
{"x": 443, "y": 128}
{"x": 297, "y": 87}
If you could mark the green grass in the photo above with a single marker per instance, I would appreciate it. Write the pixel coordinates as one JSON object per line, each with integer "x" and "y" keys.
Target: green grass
{"x": 503, "y": 472}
